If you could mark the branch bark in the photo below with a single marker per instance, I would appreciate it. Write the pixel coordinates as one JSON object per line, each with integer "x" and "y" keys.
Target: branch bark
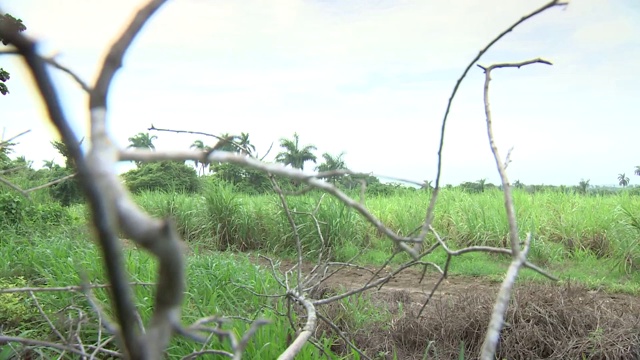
{"x": 492, "y": 337}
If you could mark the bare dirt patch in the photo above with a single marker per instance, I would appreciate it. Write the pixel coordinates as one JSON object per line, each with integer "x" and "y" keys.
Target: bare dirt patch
{"x": 544, "y": 321}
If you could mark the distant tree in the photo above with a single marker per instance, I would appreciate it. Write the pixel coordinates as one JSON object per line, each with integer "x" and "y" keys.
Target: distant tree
{"x": 481, "y": 183}
{"x": 225, "y": 143}
{"x": 518, "y": 184}
{"x": 623, "y": 180}
{"x": 293, "y": 154}
{"x": 637, "y": 171}
{"x": 67, "y": 192}
{"x": 168, "y": 176}
{"x": 199, "y": 145}
{"x": 583, "y": 185}
{"x": 49, "y": 164}
{"x": 142, "y": 141}
{"x": 63, "y": 150}
{"x": 6, "y": 148}
{"x": 245, "y": 146}
{"x": 13, "y": 25}
{"x": 427, "y": 184}
{"x": 332, "y": 163}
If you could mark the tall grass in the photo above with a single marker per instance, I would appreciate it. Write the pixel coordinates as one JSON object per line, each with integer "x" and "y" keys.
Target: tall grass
{"x": 565, "y": 224}
{"x": 215, "y": 286}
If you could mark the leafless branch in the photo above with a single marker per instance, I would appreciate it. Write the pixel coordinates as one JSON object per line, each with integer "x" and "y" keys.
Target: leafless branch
{"x": 66, "y": 288}
{"x": 51, "y": 60}
{"x": 13, "y": 169}
{"x": 306, "y": 332}
{"x": 275, "y": 169}
{"x": 39, "y": 187}
{"x": 48, "y": 344}
{"x": 25, "y": 193}
{"x": 221, "y": 140}
{"x": 4, "y": 142}
{"x": 14, "y": 187}
{"x": 294, "y": 228}
{"x": 113, "y": 210}
{"x": 519, "y": 258}
{"x": 53, "y": 328}
{"x": 342, "y": 336}
{"x": 436, "y": 190}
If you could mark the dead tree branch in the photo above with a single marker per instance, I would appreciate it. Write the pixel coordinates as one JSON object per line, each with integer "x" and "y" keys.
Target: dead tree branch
{"x": 51, "y": 60}
{"x": 436, "y": 190}
{"x": 519, "y": 257}
{"x": 113, "y": 211}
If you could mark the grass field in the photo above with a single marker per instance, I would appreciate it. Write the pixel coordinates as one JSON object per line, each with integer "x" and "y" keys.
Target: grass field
{"x": 587, "y": 240}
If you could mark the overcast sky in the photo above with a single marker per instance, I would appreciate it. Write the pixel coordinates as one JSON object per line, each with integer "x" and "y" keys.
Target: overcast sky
{"x": 367, "y": 77}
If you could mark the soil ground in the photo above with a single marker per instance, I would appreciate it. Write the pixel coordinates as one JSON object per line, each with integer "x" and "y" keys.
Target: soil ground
{"x": 548, "y": 321}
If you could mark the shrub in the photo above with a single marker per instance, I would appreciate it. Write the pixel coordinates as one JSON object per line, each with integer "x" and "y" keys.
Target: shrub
{"x": 168, "y": 176}
{"x": 67, "y": 192}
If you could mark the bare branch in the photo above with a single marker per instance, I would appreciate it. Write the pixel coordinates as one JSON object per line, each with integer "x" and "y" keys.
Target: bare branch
{"x": 341, "y": 335}
{"x": 307, "y": 330}
{"x": 294, "y": 228}
{"x": 221, "y": 140}
{"x": 53, "y": 328}
{"x": 13, "y": 169}
{"x": 4, "y": 142}
{"x": 519, "y": 258}
{"x": 502, "y": 302}
{"x": 436, "y": 190}
{"x": 53, "y": 62}
{"x": 15, "y": 187}
{"x": 39, "y": 187}
{"x": 506, "y": 187}
{"x": 66, "y": 288}
{"x": 275, "y": 169}
{"x": 33, "y": 342}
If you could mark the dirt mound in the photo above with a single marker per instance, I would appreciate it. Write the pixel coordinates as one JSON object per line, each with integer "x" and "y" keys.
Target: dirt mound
{"x": 544, "y": 321}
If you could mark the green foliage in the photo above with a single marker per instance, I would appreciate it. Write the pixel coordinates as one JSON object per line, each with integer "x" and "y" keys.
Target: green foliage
{"x": 331, "y": 163}
{"x": 13, "y": 208}
{"x": 66, "y": 192}
{"x": 14, "y": 307}
{"x": 245, "y": 180}
{"x": 12, "y": 25}
{"x": 169, "y": 176}
{"x": 19, "y": 212}
{"x": 142, "y": 141}
{"x": 293, "y": 154}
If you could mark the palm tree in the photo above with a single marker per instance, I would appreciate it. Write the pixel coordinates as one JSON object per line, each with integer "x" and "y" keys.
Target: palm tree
{"x": 427, "y": 184}
{"x": 49, "y": 164}
{"x": 199, "y": 145}
{"x": 623, "y": 180}
{"x": 637, "y": 171}
{"x": 142, "y": 141}
{"x": 332, "y": 163}
{"x": 246, "y": 147}
{"x": 293, "y": 154}
{"x": 481, "y": 183}
{"x": 225, "y": 143}
{"x": 583, "y": 185}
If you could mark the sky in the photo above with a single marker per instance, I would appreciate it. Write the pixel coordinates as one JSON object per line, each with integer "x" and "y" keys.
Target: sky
{"x": 370, "y": 78}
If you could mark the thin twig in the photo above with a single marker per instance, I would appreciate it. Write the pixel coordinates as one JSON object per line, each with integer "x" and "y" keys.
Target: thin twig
{"x": 48, "y": 344}
{"x": 66, "y": 288}
{"x": 436, "y": 190}
{"x": 492, "y": 336}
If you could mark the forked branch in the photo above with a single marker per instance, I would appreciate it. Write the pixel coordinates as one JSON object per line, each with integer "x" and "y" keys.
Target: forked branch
{"x": 519, "y": 257}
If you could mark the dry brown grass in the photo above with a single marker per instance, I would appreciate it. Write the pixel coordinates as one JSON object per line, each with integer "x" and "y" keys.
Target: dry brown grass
{"x": 543, "y": 322}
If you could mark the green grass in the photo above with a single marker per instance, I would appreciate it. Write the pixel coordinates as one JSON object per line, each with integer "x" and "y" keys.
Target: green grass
{"x": 591, "y": 240}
